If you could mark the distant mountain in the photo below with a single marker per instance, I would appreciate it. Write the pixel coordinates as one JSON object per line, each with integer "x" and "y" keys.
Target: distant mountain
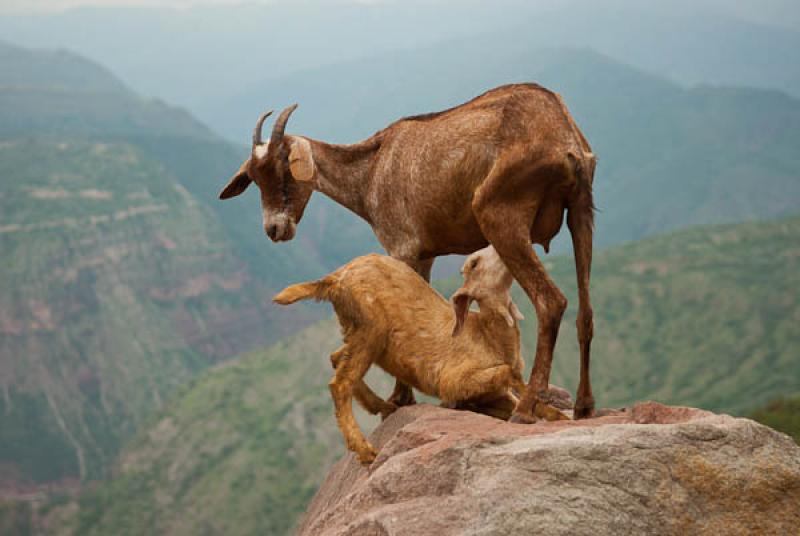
{"x": 195, "y": 57}
{"x": 118, "y": 280}
{"x": 55, "y": 69}
{"x": 704, "y": 317}
{"x": 668, "y": 157}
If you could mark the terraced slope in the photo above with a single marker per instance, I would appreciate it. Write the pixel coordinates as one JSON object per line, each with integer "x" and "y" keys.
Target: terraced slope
{"x": 116, "y": 286}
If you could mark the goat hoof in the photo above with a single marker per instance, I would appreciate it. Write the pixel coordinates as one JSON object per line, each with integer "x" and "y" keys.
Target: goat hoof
{"x": 522, "y": 418}
{"x": 584, "y": 408}
{"x": 404, "y": 399}
{"x": 388, "y": 410}
{"x": 549, "y": 413}
{"x": 367, "y": 455}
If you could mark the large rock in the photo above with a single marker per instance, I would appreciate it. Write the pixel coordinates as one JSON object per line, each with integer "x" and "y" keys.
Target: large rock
{"x": 652, "y": 469}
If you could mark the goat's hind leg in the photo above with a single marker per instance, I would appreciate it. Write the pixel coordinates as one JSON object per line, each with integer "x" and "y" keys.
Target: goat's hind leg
{"x": 466, "y": 383}
{"x": 348, "y": 373}
{"x": 506, "y": 208}
{"x": 487, "y": 391}
{"x": 498, "y": 406}
{"x": 580, "y": 222}
{"x": 366, "y": 397}
{"x": 370, "y": 401}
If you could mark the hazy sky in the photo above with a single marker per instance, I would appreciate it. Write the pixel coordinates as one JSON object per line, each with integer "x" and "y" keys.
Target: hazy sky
{"x": 774, "y": 12}
{"x": 34, "y": 6}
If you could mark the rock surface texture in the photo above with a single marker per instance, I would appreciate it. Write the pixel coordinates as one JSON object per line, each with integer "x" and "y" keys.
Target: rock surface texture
{"x": 651, "y": 469}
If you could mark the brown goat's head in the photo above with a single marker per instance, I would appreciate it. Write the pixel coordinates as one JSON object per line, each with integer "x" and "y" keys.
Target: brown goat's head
{"x": 282, "y": 168}
{"x": 487, "y": 281}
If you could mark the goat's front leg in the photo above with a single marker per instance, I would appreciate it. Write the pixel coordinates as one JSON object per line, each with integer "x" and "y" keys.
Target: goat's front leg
{"x": 348, "y": 373}
{"x": 403, "y": 395}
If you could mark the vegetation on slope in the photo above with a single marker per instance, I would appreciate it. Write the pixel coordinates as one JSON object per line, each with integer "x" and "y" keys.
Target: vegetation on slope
{"x": 117, "y": 282}
{"x": 115, "y": 287}
{"x": 783, "y": 414}
{"x": 704, "y": 317}
{"x": 241, "y": 451}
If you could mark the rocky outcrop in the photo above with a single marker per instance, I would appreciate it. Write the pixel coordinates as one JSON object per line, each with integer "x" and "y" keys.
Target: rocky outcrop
{"x": 652, "y": 469}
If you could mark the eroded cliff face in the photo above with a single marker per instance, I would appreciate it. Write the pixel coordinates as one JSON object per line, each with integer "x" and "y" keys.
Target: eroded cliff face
{"x": 651, "y": 469}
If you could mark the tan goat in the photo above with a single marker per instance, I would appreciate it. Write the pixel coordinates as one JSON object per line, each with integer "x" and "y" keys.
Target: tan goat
{"x": 390, "y": 316}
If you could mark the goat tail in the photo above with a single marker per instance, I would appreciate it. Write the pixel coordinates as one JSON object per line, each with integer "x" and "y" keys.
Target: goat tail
{"x": 316, "y": 290}
{"x": 583, "y": 166}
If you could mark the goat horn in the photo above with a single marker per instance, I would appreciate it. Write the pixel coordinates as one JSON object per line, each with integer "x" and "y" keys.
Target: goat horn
{"x": 257, "y": 130}
{"x": 280, "y": 125}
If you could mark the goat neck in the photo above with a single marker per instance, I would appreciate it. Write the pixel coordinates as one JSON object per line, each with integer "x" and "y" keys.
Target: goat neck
{"x": 342, "y": 172}
{"x": 498, "y": 310}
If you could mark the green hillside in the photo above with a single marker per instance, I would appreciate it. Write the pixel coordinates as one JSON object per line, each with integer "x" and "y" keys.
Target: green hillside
{"x": 241, "y": 451}
{"x": 704, "y": 317}
{"x": 118, "y": 280}
{"x": 783, "y": 414}
{"x": 115, "y": 287}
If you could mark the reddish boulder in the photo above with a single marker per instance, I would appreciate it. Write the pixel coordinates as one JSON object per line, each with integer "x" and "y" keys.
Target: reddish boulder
{"x": 653, "y": 469}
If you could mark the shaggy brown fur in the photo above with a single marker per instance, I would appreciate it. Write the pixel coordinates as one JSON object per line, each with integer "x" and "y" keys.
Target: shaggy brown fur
{"x": 390, "y": 316}
{"x": 501, "y": 169}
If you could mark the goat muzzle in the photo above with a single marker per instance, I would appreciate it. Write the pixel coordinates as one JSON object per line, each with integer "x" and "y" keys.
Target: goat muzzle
{"x": 280, "y": 229}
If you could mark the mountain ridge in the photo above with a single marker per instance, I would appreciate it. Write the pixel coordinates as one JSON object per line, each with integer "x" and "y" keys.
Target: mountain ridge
{"x": 668, "y": 157}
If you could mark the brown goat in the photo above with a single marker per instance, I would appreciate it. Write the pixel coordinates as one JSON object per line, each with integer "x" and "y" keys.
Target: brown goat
{"x": 390, "y": 316}
{"x": 501, "y": 169}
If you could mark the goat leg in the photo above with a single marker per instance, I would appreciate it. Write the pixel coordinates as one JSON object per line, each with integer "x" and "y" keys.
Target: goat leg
{"x": 403, "y": 395}
{"x": 348, "y": 373}
{"x": 506, "y": 209}
{"x": 366, "y": 397}
{"x": 371, "y": 402}
{"x": 579, "y": 221}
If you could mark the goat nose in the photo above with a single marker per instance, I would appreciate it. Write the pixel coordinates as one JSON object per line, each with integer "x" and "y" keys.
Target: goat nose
{"x": 272, "y": 231}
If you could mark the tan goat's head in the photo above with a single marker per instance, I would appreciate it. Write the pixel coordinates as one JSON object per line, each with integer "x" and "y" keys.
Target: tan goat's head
{"x": 282, "y": 168}
{"x": 487, "y": 281}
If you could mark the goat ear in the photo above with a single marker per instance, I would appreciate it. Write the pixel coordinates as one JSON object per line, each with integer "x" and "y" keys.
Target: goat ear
{"x": 237, "y": 184}
{"x": 461, "y": 302}
{"x": 301, "y": 161}
{"x": 515, "y": 312}
{"x": 508, "y": 318}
